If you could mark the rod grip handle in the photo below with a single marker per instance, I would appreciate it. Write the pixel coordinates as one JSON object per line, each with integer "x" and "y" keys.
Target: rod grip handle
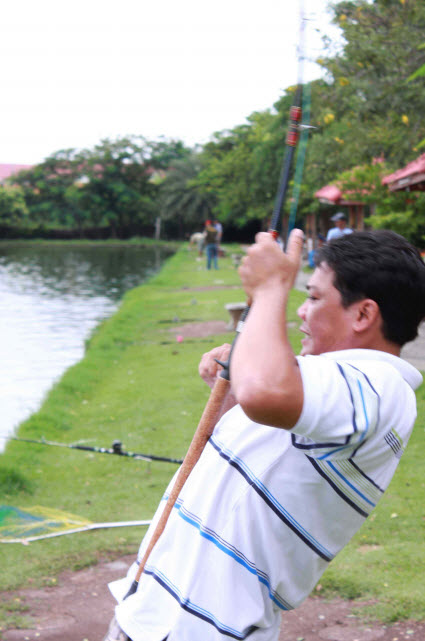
{"x": 203, "y": 432}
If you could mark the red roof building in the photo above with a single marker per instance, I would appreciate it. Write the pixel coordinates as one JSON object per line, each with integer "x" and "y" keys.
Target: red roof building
{"x": 332, "y": 195}
{"x": 7, "y": 170}
{"x": 329, "y": 195}
{"x": 409, "y": 178}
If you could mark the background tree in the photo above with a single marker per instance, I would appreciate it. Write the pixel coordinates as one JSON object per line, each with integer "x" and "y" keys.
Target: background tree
{"x": 369, "y": 104}
{"x": 241, "y": 166}
{"x": 44, "y": 187}
{"x": 13, "y": 209}
{"x": 163, "y": 152}
{"x": 369, "y": 108}
{"x": 184, "y": 207}
{"x": 400, "y": 211}
{"x": 114, "y": 187}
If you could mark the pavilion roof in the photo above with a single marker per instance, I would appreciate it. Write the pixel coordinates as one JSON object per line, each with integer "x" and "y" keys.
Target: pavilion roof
{"x": 332, "y": 195}
{"x": 411, "y": 177}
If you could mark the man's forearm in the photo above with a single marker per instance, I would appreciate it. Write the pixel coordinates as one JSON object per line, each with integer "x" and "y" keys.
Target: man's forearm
{"x": 265, "y": 376}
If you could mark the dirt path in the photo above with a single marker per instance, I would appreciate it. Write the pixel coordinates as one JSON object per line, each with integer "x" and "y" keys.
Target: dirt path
{"x": 79, "y": 608}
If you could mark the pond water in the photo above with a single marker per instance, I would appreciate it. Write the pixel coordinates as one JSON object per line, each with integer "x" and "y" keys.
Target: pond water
{"x": 51, "y": 298}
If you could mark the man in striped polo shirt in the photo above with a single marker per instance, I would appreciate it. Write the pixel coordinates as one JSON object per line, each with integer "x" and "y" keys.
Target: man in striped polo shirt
{"x": 304, "y": 451}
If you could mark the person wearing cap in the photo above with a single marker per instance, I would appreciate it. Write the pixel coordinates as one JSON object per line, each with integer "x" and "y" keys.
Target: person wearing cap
{"x": 340, "y": 229}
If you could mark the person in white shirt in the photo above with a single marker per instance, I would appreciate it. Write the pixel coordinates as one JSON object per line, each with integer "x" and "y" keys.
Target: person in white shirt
{"x": 303, "y": 452}
{"x": 219, "y": 228}
{"x": 340, "y": 229}
{"x": 199, "y": 239}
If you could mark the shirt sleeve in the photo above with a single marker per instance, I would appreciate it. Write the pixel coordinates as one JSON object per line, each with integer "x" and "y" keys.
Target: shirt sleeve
{"x": 334, "y": 233}
{"x": 340, "y": 410}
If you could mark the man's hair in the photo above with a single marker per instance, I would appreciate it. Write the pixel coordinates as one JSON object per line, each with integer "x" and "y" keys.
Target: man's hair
{"x": 383, "y": 266}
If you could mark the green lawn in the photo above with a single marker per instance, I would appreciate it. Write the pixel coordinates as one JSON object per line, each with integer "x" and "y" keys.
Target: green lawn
{"x": 138, "y": 385}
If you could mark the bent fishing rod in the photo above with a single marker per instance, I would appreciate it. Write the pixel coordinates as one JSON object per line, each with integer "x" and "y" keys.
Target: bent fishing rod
{"x": 218, "y": 394}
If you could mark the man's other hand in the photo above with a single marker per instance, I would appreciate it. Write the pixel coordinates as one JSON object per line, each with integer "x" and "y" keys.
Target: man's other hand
{"x": 208, "y": 368}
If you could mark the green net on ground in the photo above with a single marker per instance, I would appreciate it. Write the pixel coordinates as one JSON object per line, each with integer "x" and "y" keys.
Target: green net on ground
{"x": 19, "y": 525}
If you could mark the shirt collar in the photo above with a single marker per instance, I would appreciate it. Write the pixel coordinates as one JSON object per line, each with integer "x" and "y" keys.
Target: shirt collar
{"x": 410, "y": 374}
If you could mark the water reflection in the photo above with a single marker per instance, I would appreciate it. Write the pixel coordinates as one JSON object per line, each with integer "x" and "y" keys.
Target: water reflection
{"x": 85, "y": 270}
{"x": 51, "y": 298}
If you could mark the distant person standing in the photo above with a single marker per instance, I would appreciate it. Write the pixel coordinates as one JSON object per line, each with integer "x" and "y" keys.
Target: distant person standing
{"x": 311, "y": 254}
{"x": 211, "y": 247}
{"x": 340, "y": 229}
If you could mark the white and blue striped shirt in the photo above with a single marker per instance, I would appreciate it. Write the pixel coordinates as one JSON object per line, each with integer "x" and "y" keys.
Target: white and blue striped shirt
{"x": 266, "y": 509}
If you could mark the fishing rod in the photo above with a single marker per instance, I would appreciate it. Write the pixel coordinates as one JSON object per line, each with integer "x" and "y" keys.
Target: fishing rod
{"x": 221, "y": 387}
{"x": 297, "y": 126}
{"x": 116, "y": 449}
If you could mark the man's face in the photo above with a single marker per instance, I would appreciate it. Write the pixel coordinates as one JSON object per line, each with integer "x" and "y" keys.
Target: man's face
{"x": 327, "y": 325}
{"x": 340, "y": 223}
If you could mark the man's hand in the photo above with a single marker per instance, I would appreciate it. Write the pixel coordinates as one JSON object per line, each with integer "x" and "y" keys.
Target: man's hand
{"x": 208, "y": 368}
{"x": 264, "y": 372}
{"x": 266, "y": 267}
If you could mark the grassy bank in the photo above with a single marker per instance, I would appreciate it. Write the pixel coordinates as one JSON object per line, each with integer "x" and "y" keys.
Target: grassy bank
{"x": 139, "y": 385}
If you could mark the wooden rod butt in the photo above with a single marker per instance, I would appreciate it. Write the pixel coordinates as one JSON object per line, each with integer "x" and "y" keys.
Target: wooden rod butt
{"x": 203, "y": 432}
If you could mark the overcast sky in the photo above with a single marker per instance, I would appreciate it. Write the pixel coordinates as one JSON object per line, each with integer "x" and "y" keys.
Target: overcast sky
{"x": 75, "y": 73}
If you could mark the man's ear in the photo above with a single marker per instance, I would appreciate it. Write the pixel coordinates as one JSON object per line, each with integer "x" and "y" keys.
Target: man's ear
{"x": 366, "y": 315}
